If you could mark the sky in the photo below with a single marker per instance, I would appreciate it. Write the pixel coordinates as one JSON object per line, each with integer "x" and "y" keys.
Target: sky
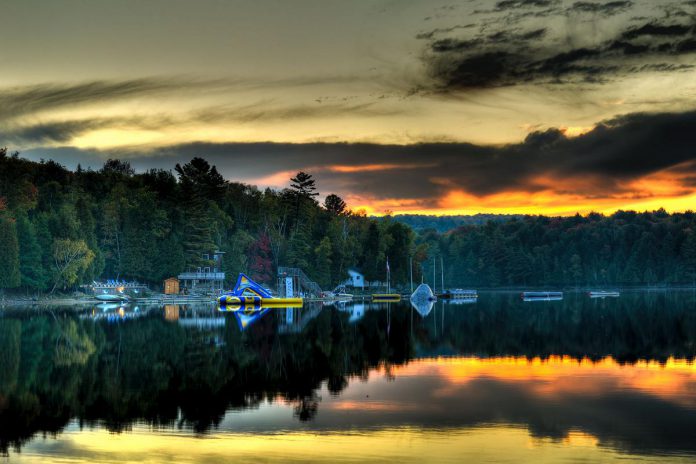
{"x": 436, "y": 107}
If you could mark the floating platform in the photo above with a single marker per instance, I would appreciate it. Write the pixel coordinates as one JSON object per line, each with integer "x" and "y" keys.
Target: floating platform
{"x": 459, "y": 294}
{"x": 541, "y": 296}
{"x": 386, "y": 297}
{"x": 258, "y": 302}
{"x": 247, "y": 293}
{"x": 603, "y": 294}
{"x": 460, "y": 301}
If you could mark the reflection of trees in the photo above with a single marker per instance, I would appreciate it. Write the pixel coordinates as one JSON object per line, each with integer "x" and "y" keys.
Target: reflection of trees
{"x": 306, "y": 407}
{"x": 158, "y": 372}
{"x": 636, "y": 326}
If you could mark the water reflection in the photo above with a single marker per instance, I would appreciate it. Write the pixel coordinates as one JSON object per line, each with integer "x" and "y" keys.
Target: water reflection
{"x": 611, "y": 375}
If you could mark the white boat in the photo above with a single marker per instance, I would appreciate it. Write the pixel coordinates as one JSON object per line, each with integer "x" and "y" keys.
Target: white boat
{"x": 423, "y": 293}
{"x": 111, "y": 297}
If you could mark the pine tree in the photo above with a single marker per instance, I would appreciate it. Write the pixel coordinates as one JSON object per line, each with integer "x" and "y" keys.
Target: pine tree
{"x": 199, "y": 184}
{"x": 335, "y": 204}
{"x": 304, "y": 190}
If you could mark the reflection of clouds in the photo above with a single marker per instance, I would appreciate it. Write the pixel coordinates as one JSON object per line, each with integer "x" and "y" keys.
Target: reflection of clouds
{"x": 646, "y": 407}
{"x": 674, "y": 380}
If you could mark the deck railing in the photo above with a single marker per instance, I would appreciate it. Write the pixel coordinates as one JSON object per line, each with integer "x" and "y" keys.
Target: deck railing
{"x": 202, "y": 276}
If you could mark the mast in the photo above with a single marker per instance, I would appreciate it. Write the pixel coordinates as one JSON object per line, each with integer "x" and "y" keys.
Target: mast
{"x": 410, "y": 271}
{"x": 442, "y": 271}
{"x": 434, "y": 275}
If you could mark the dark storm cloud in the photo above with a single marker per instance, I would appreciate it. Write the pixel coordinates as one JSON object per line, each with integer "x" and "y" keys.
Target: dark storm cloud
{"x": 604, "y": 8}
{"x": 598, "y": 164}
{"x": 517, "y": 4}
{"x": 506, "y": 51}
{"x": 442, "y": 30}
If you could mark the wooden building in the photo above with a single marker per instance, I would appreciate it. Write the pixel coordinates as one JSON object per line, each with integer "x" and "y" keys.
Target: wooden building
{"x": 171, "y": 286}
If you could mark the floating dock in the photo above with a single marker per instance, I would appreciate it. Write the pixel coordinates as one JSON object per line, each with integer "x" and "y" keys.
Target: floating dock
{"x": 459, "y": 294}
{"x": 386, "y": 297}
{"x": 258, "y": 301}
{"x": 541, "y": 296}
{"x": 603, "y": 294}
{"x": 247, "y": 293}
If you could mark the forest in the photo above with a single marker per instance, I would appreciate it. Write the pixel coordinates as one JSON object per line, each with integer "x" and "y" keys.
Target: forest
{"x": 61, "y": 228}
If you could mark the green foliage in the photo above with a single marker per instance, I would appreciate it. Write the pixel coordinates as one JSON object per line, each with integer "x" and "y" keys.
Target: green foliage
{"x": 624, "y": 248}
{"x": 153, "y": 225}
{"x": 71, "y": 258}
{"x": 9, "y": 254}
{"x": 322, "y": 267}
{"x": 32, "y": 271}
{"x": 335, "y": 204}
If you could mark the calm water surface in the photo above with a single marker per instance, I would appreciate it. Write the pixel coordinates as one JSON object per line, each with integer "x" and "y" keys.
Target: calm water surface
{"x": 499, "y": 380}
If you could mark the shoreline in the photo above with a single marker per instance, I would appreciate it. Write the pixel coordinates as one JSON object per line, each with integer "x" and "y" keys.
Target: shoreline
{"x": 182, "y": 300}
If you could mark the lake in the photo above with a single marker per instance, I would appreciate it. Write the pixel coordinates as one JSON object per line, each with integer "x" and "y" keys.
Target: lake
{"x": 498, "y": 380}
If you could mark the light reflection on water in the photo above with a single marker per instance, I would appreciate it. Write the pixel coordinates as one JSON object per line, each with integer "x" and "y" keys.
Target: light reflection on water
{"x": 495, "y": 381}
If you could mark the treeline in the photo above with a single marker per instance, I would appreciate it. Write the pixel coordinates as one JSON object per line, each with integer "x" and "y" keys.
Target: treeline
{"x": 442, "y": 224}
{"x": 61, "y": 228}
{"x": 626, "y": 248}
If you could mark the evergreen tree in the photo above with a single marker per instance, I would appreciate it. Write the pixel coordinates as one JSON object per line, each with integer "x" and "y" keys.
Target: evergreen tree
{"x": 322, "y": 267}
{"x": 303, "y": 187}
{"x": 688, "y": 252}
{"x": 334, "y": 204}
{"x": 10, "y": 276}
{"x": 200, "y": 183}
{"x": 32, "y": 271}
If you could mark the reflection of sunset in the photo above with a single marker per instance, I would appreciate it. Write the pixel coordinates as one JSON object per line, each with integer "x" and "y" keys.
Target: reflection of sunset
{"x": 403, "y": 444}
{"x": 674, "y": 380}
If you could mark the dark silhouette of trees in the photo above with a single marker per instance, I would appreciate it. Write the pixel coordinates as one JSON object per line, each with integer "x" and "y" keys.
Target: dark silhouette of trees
{"x": 335, "y": 204}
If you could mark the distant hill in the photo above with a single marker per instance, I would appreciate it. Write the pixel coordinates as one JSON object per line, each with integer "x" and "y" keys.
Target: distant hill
{"x": 441, "y": 224}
